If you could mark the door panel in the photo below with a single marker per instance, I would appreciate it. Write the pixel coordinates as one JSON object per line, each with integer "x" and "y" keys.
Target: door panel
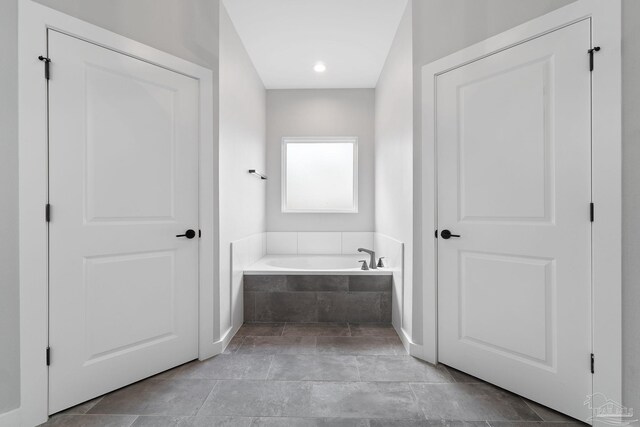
{"x": 521, "y": 329}
{"x": 123, "y": 183}
{"x": 514, "y": 181}
{"x": 148, "y": 280}
{"x": 517, "y": 99}
{"x": 124, "y": 193}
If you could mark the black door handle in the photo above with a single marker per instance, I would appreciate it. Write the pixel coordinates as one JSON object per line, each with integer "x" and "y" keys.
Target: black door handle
{"x": 446, "y": 234}
{"x": 189, "y": 234}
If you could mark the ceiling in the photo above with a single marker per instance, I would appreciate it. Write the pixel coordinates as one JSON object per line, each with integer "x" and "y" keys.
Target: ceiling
{"x": 286, "y": 38}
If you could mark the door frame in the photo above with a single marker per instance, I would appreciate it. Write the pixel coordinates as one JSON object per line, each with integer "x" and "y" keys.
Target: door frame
{"x": 34, "y": 22}
{"x": 605, "y": 18}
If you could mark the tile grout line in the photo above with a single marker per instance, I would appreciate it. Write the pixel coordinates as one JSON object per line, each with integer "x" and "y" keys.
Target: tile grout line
{"x": 97, "y": 400}
{"x": 207, "y": 398}
{"x": 415, "y": 396}
{"x": 271, "y": 357}
{"x": 239, "y": 345}
{"x": 453, "y": 380}
{"x": 358, "y": 368}
{"x": 526, "y": 402}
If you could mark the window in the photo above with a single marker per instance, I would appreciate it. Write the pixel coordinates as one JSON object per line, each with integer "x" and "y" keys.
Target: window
{"x": 320, "y": 175}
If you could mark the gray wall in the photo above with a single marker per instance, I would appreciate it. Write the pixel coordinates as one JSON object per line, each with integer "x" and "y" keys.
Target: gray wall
{"x": 631, "y": 204}
{"x": 9, "y": 289}
{"x": 394, "y": 154}
{"x": 321, "y": 112}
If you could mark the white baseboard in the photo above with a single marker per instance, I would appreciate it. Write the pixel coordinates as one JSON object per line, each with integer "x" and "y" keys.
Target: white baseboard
{"x": 415, "y": 350}
{"x": 406, "y": 342}
{"x": 219, "y": 346}
{"x": 10, "y": 419}
{"x": 229, "y": 336}
{"x": 209, "y": 350}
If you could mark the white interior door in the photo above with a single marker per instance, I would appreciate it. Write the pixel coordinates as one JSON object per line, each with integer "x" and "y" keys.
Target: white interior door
{"x": 123, "y": 184}
{"x": 514, "y": 182}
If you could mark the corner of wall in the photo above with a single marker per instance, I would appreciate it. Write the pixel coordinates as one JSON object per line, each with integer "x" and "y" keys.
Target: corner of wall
{"x": 395, "y": 165}
{"x": 10, "y": 289}
{"x": 242, "y": 196}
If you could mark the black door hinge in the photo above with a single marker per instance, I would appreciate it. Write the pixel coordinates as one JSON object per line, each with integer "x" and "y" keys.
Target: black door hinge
{"x": 47, "y": 212}
{"x": 592, "y": 212}
{"x": 46, "y": 61}
{"x": 436, "y": 234}
{"x": 48, "y": 356}
{"x": 593, "y": 364}
{"x": 199, "y": 234}
{"x": 591, "y": 54}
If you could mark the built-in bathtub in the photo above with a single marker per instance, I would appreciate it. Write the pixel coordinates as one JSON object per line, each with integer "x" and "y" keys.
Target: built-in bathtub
{"x": 316, "y": 288}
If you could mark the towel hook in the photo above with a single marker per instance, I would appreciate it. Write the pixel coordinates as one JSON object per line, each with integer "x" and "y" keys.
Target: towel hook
{"x": 253, "y": 172}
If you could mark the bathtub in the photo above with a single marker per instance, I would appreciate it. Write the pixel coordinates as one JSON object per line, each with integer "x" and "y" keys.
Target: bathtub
{"x": 316, "y": 288}
{"x": 313, "y": 265}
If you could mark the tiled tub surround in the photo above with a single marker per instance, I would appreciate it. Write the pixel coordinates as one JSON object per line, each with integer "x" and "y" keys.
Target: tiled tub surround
{"x": 317, "y": 298}
{"x": 300, "y": 375}
{"x": 318, "y": 243}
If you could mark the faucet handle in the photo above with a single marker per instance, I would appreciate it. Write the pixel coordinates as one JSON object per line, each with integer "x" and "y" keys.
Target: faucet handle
{"x": 364, "y": 264}
{"x": 380, "y": 263}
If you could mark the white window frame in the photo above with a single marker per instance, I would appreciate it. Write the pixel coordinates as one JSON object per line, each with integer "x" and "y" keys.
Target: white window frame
{"x": 323, "y": 140}
{"x": 34, "y": 22}
{"x": 605, "y": 19}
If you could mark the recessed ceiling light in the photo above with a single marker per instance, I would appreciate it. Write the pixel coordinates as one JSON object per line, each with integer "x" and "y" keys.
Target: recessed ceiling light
{"x": 320, "y": 67}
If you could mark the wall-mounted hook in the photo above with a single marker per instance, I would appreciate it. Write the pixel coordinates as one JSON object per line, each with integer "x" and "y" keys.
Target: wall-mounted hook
{"x": 253, "y": 172}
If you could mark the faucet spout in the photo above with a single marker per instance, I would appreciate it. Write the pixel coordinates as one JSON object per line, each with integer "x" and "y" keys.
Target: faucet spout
{"x": 372, "y": 255}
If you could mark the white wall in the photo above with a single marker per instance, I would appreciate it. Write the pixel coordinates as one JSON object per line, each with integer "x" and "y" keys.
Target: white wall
{"x": 630, "y": 205}
{"x": 321, "y": 112}
{"x": 9, "y": 285}
{"x": 242, "y": 147}
{"x": 187, "y": 29}
{"x": 244, "y": 253}
{"x": 393, "y": 159}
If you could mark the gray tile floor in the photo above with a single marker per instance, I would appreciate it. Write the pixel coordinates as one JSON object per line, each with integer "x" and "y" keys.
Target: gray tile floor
{"x": 311, "y": 375}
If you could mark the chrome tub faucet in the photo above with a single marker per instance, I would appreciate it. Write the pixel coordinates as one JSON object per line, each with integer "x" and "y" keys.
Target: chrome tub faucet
{"x": 372, "y": 255}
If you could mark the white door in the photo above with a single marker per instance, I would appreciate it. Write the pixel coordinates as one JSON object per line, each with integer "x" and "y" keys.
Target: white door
{"x": 514, "y": 182}
{"x": 123, "y": 177}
